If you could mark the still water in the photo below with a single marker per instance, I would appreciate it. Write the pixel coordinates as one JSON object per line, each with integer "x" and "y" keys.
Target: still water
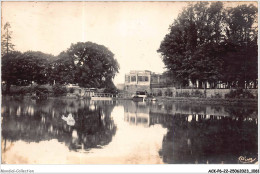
{"x": 70, "y": 131}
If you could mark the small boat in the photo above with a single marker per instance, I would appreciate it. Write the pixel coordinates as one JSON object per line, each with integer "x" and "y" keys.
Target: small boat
{"x": 139, "y": 96}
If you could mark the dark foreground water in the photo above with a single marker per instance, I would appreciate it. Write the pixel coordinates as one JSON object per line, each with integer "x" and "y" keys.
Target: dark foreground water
{"x": 126, "y": 132}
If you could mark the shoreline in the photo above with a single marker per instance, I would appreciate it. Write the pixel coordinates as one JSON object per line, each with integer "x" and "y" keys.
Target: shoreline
{"x": 197, "y": 100}
{"x": 218, "y": 101}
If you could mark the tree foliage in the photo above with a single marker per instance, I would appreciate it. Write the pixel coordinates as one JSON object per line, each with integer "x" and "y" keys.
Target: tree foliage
{"x": 88, "y": 64}
{"x": 11, "y": 72}
{"x": 6, "y": 44}
{"x": 24, "y": 68}
{"x": 206, "y": 41}
{"x": 62, "y": 70}
{"x": 34, "y": 65}
{"x": 241, "y": 45}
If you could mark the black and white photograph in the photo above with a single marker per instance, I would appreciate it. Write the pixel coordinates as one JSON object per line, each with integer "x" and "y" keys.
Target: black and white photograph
{"x": 137, "y": 82}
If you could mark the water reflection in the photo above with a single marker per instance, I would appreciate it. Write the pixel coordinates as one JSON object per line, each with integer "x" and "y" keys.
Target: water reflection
{"x": 33, "y": 122}
{"x": 199, "y": 133}
{"x": 137, "y": 113}
{"x": 211, "y": 140}
{"x": 130, "y": 132}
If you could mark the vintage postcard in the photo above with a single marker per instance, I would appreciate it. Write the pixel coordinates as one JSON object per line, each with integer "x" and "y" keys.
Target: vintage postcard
{"x": 172, "y": 82}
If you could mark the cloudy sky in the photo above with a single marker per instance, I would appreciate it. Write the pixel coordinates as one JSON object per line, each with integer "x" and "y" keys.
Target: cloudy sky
{"x": 133, "y": 31}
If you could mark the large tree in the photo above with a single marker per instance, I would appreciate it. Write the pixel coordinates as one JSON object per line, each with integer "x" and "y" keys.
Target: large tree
{"x": 24, "y": 68}
{"x": 88, "y": 64}
{"x": 6, "y": 38}
{"x": 186, "y": 50}
{"x": 202, "y": 39}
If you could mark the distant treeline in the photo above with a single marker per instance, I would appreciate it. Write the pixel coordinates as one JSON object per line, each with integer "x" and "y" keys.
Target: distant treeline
{"x": 211, "y": 43}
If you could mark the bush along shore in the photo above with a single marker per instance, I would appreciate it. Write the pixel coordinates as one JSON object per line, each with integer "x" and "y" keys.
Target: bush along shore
{"x": 39, "y": 91}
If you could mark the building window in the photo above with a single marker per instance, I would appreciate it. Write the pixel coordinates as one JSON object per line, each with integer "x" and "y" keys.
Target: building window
{"x": 143, "y": 78}
{"x": 127, "y": 79}
{"x": 133, "y": 78}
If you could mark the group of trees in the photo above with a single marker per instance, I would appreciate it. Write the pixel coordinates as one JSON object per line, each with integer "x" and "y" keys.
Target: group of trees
{"x": 84, "y": 63}
{"x": 210, "y": 43}
{"x": 24, "y": 68}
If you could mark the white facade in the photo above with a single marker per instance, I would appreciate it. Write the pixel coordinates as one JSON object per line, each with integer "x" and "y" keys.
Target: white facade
{"x": 138, "y": 78}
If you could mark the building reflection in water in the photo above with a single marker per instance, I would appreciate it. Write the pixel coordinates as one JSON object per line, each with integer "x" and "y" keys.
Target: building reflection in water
{"x": 137, "y": 113}
{"x": 199, "y": 134}
{"x": 195, "y": 133}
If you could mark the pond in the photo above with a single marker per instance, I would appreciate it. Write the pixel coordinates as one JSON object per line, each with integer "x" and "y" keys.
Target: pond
{"x": 72, "y": 131}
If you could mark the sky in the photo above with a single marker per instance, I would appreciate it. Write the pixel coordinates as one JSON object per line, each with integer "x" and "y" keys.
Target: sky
{"x": 133, "y": 31}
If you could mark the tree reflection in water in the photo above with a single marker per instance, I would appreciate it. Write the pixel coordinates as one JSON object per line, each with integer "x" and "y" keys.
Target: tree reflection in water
{"x": 32, "y": 121}
{"x": 208, "y": 139}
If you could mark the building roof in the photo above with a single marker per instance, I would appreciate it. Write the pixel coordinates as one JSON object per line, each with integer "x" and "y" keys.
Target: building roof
{"x": 139, "y": 71}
